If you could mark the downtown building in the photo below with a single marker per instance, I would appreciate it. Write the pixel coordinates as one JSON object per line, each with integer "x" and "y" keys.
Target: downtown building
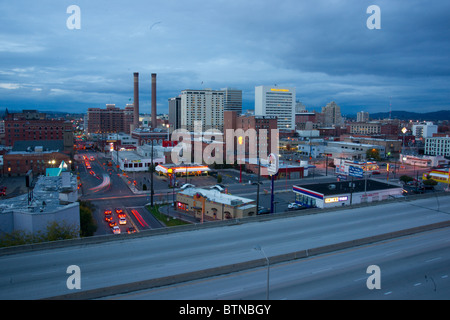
{"x": 31, "y": 125}
{"x": 111, "y": 119}
{"x": 202, "y": 106}
{"x": 232, "y": 100}
{"x": 278, "y": 102}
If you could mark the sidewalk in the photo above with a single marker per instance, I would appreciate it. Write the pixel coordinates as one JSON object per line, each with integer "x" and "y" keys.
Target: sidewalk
{"x": 170, "y": 211}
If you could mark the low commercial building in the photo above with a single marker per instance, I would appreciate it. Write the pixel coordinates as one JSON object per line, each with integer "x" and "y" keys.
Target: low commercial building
{"x": 182, "y": 170}
{"x": 354, "y": 151}
{"x": 139, "y": 159}
{"x": 53, "y": 199}
{"x": 327, "y": 195}
{"x": 212, "y": 205}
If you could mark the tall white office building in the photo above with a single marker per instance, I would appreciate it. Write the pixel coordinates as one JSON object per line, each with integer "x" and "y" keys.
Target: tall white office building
{"x": 204, "y": 105}
{"x": 276, "y": 101}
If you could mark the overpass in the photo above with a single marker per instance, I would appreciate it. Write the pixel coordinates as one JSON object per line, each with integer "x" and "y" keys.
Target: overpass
{"x": 125, "y": 263}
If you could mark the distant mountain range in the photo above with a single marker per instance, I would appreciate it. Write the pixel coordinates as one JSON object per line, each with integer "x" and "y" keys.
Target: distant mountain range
{"x": 406, "y": 115}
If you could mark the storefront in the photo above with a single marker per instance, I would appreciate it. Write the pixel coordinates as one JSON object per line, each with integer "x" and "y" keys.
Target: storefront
{"x": 328, "y": 195}
{"x": 182, "y": 170}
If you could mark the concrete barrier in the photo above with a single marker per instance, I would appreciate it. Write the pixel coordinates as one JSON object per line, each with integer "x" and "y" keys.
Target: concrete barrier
{"x": 236, "y": 267}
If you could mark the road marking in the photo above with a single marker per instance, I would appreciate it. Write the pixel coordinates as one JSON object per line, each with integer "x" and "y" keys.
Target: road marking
{"x": 228, "y": 292}
{"x": 321, "y": 270}
{"x": 360, "y": 279}
{"x": 417, "y": 284}
{"x": 387, "y": 293}
{"x": 444, "y": 276}
{"x": 434, "y": 259}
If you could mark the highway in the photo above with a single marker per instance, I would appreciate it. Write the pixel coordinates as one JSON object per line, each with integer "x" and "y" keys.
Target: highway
{"x": 41, "y": 274}
{"x": 411, "y": 268}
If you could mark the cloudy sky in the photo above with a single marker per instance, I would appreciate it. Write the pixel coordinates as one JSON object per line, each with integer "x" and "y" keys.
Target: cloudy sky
{"x": 323, "y": 48}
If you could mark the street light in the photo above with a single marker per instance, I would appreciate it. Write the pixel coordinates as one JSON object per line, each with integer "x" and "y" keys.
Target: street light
{"x": 240, "y": 141}
{"x": 404, "y": 130}
{"x": 259, "y": 248}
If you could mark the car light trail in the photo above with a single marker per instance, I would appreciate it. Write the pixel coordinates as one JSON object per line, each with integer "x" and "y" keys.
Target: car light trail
{"x": 105, "y": 183}
{"x": 139, "y": 218}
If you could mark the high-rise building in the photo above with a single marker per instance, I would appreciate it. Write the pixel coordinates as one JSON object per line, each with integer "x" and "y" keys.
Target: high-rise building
{"x": 332, "y": 114}
{"x": 205, "y": 106}
{"x": 232, "y": 100}
{"x": 362, "y": 116}
{"x": 174, "y": 113}
{"x": 276, "y": 101}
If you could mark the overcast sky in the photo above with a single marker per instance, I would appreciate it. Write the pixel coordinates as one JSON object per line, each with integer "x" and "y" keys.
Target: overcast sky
{"x": 323, "y": 48}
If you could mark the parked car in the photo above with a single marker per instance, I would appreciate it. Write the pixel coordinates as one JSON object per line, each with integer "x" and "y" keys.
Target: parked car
{"x": 217, "y": 187}
{"x": 296, "y": 206}
{"x": 2, "y": 191}
{"x": 187, "y": 185}
{"x": 263, "y": 211}
{"x": 293, "y": 205}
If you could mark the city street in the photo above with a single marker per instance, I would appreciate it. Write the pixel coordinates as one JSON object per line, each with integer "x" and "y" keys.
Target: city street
{"x": 107, "y": 189}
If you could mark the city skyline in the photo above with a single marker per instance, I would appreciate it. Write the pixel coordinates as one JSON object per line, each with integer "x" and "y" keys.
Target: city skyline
{"x": 323, "y": 49}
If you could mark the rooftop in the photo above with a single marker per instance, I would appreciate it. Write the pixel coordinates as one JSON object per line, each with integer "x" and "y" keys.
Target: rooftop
{"x": 216, "y": 196}
{"x": 341, "y": 187}
{"x": 45, "y": 196}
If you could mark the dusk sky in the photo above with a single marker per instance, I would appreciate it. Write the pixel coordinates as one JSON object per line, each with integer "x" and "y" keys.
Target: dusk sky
{"x": 323, "y": 48}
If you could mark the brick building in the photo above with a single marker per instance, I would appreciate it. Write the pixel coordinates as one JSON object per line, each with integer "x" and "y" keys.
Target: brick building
{"x": 31, "y": 125}
{"x": 111, "y": 119}
{"x": 17, "y": 163}
{"x": 233, "y": 121}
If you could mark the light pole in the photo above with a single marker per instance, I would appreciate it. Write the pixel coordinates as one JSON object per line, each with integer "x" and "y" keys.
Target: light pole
{"x": 404, "y": 130}
{"x": 259, "y": 248}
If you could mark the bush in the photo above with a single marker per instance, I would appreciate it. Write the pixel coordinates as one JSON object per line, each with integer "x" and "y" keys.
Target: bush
{"x": 406, "y": 179}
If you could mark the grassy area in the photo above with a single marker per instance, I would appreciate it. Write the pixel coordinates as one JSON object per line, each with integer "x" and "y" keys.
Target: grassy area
{"x": 166, "y": 220}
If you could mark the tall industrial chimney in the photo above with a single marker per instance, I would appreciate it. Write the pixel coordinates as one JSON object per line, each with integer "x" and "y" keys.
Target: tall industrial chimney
{"x": 154, "y": 122}
{"x": 136, "y": 101}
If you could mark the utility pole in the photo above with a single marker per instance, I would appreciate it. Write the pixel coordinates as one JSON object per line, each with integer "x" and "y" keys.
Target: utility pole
{"x": 151, "y": 178}
{"x": 257, "y": 192}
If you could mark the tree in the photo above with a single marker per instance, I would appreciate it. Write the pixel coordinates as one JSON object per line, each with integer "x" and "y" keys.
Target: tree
{"x": 373, "y": 154}
{"x": 87, "y": 222}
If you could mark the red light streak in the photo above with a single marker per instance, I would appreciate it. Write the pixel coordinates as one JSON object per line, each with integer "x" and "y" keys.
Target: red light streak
{"x": 139, "y": 218}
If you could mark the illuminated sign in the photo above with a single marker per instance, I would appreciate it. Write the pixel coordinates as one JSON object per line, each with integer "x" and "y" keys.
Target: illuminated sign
{"x": 336, "y": 199}
{"x": 279, "y": 90}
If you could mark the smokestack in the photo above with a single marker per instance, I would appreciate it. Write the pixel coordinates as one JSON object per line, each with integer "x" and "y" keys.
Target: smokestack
{"x": 136, "y": 101}
{"x": 154, "y": 122}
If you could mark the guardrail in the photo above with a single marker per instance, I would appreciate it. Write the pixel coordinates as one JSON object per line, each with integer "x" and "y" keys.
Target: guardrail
{"x": 198, "y": 226}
